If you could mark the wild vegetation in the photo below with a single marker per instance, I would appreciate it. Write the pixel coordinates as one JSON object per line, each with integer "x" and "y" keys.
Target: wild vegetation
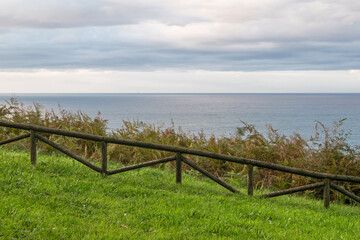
{"x": 327, "y": 151}
{"x": 62, "y": 199}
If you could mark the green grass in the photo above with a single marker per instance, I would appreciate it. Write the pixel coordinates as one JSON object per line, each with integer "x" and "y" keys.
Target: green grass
{"x": 62, "y": 199}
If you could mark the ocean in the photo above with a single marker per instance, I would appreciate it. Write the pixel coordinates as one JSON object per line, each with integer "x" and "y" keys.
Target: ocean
{"x": 220, "y": 114}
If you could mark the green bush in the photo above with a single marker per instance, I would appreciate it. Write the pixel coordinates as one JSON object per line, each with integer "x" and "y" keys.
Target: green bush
{"x": 327, "y": 151}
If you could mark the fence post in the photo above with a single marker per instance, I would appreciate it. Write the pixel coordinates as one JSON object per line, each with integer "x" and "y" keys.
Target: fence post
{"x": 327, "y": 193}
{"x": 104, "y": 157}
{"x": 32, "y": 147}
{"x": 250, "y": 181}
{"x": 178, "y": 167}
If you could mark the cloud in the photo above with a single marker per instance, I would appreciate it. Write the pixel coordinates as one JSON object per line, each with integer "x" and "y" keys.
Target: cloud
{"x": 354, "y": 71}
{"x": 83, "y": 13}
{"x": 194, "y": 81}
{"x": 191, "y": 34}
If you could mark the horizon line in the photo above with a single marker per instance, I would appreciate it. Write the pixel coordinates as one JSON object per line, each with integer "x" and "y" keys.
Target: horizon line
{"x": 184, "y": 93}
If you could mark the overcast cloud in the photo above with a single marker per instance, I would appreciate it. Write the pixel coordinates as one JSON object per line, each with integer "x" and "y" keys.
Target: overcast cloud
{"x": 89, "y": 81}
{"x": 191, "y": 35}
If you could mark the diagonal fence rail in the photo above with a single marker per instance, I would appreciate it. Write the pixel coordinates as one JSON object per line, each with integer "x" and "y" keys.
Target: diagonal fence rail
{"x": 325, "y": 178}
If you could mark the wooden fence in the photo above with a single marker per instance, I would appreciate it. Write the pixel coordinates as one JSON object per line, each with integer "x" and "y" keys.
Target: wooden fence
{"x": 325, "y": 178}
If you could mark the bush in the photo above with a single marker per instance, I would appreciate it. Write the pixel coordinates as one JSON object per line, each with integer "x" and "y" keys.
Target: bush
{"x": 327, "y": 151}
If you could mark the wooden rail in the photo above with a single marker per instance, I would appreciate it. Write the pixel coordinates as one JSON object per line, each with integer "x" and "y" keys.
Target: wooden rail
{"x": 179, "y": 158}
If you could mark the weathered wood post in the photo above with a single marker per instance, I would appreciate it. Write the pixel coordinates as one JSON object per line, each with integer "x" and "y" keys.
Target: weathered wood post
{"x": 32, "y": 147}
{"x": 250, "y": 181}
{"x": 178, "y": 167}
{"x": 327, "y": 193}
{"x": 104, "y": 157}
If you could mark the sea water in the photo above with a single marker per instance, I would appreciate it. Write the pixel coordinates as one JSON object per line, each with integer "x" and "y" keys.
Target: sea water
{"x": 220, "y": 114}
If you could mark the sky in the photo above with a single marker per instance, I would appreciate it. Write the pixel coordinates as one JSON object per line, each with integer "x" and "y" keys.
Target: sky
{"x": 179, "y": 46}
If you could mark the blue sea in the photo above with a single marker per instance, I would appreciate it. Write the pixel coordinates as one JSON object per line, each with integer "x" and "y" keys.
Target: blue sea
{"x": 220, "y": 114}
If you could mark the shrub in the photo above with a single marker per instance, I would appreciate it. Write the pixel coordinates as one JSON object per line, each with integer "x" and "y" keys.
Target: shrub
{"x": 327, "y": 151}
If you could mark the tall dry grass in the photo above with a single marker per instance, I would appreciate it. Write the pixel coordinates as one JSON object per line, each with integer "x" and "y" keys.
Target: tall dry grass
{"x": 327, "y": 151}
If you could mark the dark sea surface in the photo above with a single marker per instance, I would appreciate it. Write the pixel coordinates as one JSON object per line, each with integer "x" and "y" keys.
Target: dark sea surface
{"x": 214, "y": 113}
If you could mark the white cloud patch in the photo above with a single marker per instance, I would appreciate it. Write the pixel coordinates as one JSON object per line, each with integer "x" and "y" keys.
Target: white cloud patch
{"x": 87, "y": 81}
{"x": 355, "y": 71}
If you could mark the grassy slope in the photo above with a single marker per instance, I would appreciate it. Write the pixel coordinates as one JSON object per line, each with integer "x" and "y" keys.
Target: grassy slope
{"x": 63, "y": 199}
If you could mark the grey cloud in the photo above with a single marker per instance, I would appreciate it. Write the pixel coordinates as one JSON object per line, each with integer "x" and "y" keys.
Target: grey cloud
{"x": 80, "y": 13}
{"x": 126, "y": 56}
{"x": 153, "y": 35}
